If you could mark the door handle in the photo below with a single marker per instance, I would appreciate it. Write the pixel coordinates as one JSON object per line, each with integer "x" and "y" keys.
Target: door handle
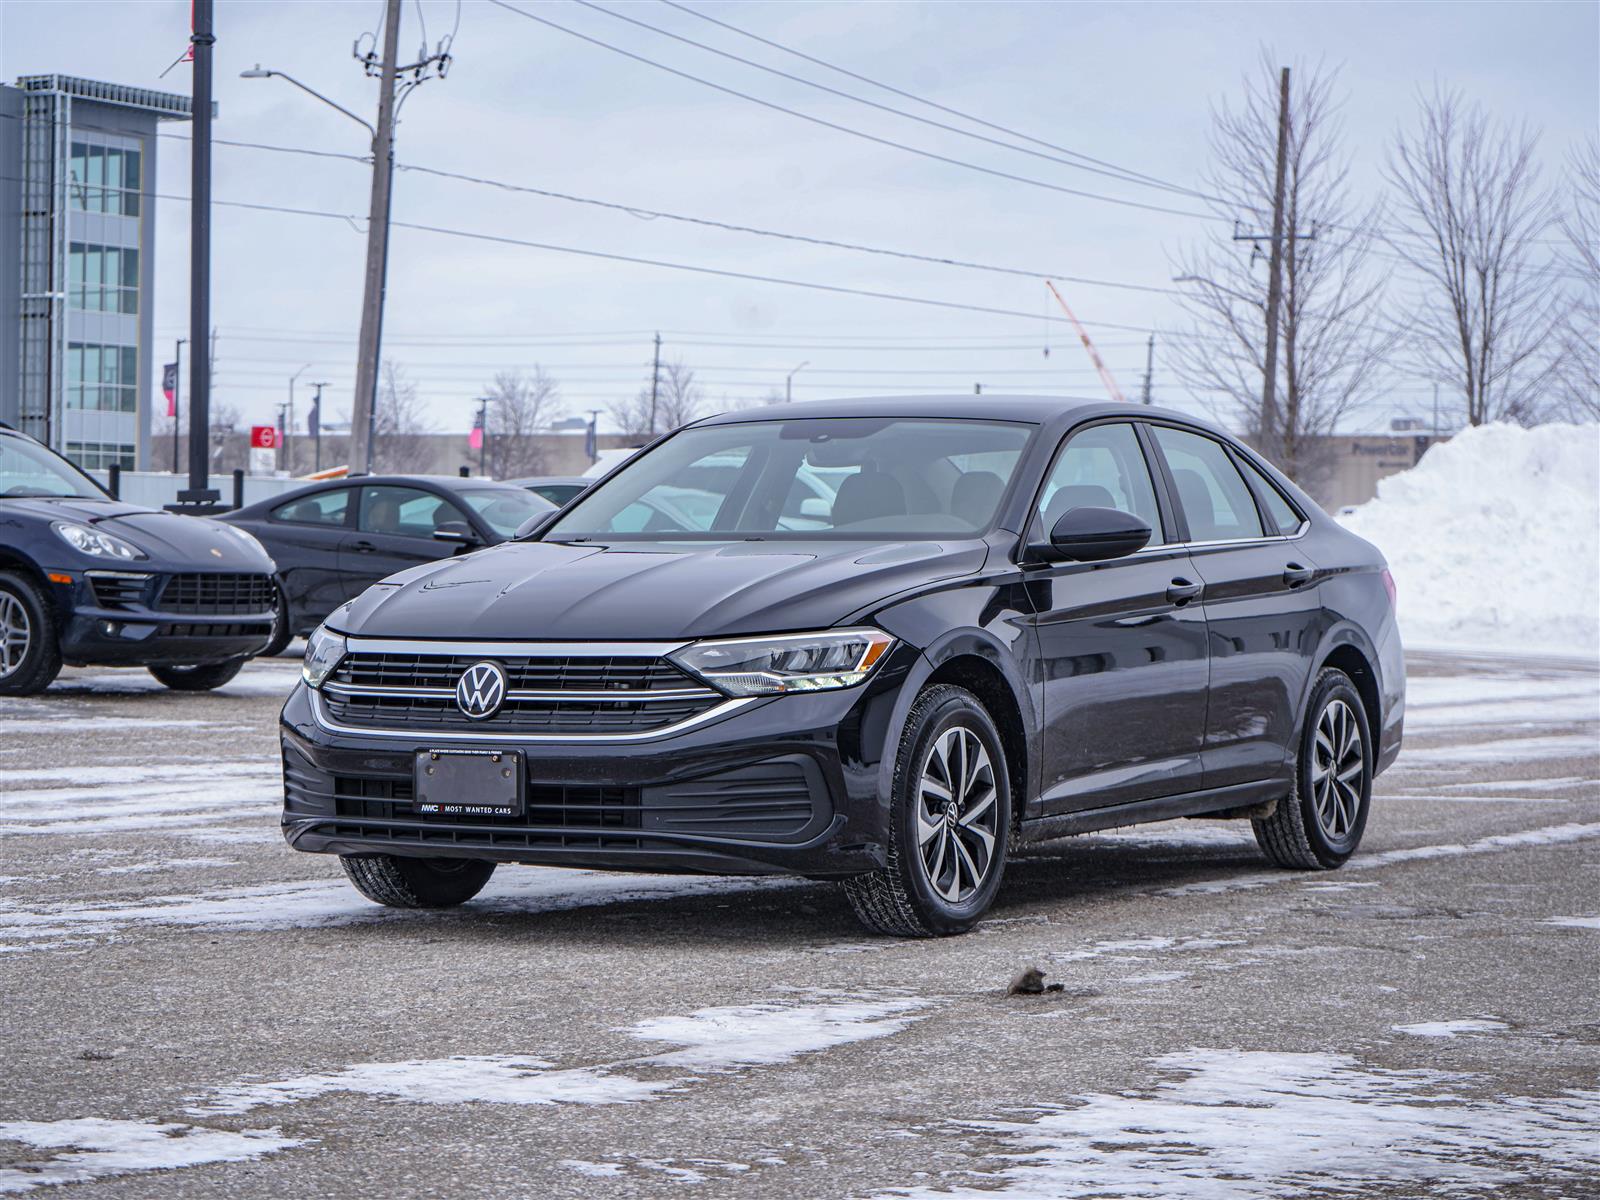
{"x": 1294, "y": 574}
{"x": 363, "y": 547}
{"x": 1180, "y": 591}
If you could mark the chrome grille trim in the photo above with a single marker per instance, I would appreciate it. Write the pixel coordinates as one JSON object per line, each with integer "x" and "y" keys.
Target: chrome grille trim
{"x": 444, "y": 737}
{"x": 364, "y": 645}
{"x": 571, "y": 696}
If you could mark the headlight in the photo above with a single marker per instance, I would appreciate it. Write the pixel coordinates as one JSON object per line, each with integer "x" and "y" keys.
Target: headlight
{"x": 87, "y": 540}
{"x": 324, "y": 649}
{"x": 796, "y": 662}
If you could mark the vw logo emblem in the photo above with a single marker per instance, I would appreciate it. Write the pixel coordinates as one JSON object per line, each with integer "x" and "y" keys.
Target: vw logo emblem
{"x": 481, "y": 690}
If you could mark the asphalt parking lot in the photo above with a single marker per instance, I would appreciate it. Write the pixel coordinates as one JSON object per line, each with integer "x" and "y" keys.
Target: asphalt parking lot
{"x": 189, "y": 1009}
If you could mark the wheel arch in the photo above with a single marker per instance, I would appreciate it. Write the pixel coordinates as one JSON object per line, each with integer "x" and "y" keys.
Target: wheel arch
{"x": 973, "y": 662}
{"x": 12, "y": 559}
{"x": 1357, "y": 661}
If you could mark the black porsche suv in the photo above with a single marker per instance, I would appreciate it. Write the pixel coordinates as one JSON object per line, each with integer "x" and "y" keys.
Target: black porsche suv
{"x": 88, "y": 580}
{"x": 1016, "y": 619}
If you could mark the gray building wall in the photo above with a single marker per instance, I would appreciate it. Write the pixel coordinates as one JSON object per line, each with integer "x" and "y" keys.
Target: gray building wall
{"x": 10, "y": 248}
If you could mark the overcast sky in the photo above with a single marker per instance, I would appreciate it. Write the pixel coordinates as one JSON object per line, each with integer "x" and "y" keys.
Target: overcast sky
{"x": 1129, "y": 84}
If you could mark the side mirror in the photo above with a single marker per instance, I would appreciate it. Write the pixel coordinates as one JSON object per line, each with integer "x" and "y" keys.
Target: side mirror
{"x": 535, "y": 525}
{"x": 1096, "y": 534}
{"x": 457, "y": 532}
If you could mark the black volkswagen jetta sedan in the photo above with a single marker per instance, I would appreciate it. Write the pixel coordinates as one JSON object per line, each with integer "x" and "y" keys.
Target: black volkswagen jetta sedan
{"x": 1017, "y": 619}
{"x": 88, "y": 580}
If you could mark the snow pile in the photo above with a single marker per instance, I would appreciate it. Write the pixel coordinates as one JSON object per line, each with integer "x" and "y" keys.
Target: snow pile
{"x": 1494, "y": 540}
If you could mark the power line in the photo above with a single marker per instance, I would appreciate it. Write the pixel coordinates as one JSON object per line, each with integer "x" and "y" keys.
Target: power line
{"x": 1120, "y": 172}
{"x": 858, "y": 133}
{"x": 811, "y": 83}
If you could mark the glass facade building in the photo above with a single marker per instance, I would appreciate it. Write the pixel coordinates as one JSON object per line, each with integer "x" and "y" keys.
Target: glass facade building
{"x": 77, "y": 222}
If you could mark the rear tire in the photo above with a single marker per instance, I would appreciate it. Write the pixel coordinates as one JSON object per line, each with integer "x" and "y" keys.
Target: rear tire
{"x": 949, "y": 822}
{"x": 30, "y": 654}
{"x": 1318, "y": 826}
{"x": 399, "y": 882}
{"x": 201, "y": 678}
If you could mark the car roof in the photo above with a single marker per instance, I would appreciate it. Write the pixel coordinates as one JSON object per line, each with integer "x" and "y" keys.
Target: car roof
{"x": 1038, "y": 410}
{"x": 533, "y": 480}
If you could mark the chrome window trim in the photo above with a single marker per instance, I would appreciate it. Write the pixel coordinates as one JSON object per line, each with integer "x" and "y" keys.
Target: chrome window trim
{"x": 508, "y": 737}
{"x": 619, "y": 695}
{"x": 355, "y": 644}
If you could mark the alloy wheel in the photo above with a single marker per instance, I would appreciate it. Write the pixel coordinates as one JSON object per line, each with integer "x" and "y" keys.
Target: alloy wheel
{"x": 1338, "y": 768}
{"x": 15, "y": 634}
{"x": 956, "y": 814}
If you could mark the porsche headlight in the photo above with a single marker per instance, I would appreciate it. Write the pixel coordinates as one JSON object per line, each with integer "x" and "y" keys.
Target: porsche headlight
{"x": 324, "y": 649}
{"x": 96, "y": 543}
{"x": 782, "y": 663}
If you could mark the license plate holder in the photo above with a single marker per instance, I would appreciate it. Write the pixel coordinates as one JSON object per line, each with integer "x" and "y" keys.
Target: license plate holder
{"x": 468, "y": 783}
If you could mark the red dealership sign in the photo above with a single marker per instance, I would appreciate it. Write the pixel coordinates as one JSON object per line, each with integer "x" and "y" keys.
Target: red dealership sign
{"x": 263, "y": 437}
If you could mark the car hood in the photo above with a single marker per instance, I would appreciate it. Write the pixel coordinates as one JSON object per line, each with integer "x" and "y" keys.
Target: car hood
{"x": 552, "y": 591}
{"x": 170, "y": 539}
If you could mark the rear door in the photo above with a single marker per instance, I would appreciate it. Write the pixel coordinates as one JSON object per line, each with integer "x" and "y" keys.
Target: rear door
{"x": 304, "y": 536}
{"x": 394, "y": 531}
{"x": 1261, "y": 604}
{"x": 1121, "y": 644}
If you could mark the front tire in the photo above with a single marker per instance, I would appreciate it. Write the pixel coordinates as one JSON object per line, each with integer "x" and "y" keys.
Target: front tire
{"x": 1319, "y": 825}
{"x": 399, "y": 882}
{"x": 282, "y": 633}
{"x": 201, "y": 678}
{"x": 949, "y": 822}
{"x": 30, "y": 655}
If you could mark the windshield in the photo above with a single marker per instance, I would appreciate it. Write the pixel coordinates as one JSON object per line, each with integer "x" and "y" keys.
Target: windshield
{"x": 504, "y": 509}
{"x": 861, "y": 477}
{"x": 28, "y": 469}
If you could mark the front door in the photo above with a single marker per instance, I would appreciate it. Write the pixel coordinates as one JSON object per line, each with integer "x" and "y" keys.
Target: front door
{"x": 1261, "y": 604}
{"x": 1122, "y": 644}
{"x": 394, "y": 531}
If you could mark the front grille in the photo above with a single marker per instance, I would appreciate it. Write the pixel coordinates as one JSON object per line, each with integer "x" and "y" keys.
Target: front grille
{"x": 214, "y": 630}
{"x": 216, "y": 594}
{"x": 117, "y": 589}
{"x": 581, "y": 695}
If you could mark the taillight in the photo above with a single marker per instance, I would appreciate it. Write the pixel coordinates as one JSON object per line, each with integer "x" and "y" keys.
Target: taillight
{"x": 1388, "y": 586}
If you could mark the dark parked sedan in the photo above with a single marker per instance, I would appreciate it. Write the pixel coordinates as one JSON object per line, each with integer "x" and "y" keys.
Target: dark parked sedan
{"x": 1018, "y": 619}
{"x": 332, "y": 540}
{"x": 558, "y": 489}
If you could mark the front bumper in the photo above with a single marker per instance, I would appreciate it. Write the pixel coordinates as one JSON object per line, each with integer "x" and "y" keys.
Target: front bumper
{"x": 789, "y": 785}
{"x": 131, "y": 632}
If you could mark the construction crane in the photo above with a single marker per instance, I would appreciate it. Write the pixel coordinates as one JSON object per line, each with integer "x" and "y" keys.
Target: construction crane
{"x": 1094, "y": 355}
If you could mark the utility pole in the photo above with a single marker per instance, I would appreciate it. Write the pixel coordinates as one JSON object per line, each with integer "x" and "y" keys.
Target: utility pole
{"x": 1269, "y": 383}
{"x": 655, "y": 385}
{"x": 1149, "y": 365}
{"x": 594, "y": 436}
{"x": 788, "y": 382}
{"x": 178, "y": 380}
{"x": 363, "y": 419}
{"x": 202, "y": 39}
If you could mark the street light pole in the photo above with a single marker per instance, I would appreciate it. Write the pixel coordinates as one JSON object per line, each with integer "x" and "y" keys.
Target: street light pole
{"x": 202, "y": 40}
{"x": 288, "y": 429}
{"x": 788, "y": 382}
{"x": 483, "y": 435}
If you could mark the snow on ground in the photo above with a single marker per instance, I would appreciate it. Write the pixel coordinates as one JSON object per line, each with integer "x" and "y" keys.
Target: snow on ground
{"x": 712, "y": 1039}
{"x": 722, "y": 1039}
{"x": 93, "y": 1148}
{"x": 1494, "y": 540}
{"x": 1450, "y": 1029}
{"x": 1448, "y": 703}
{"x": 1238, "y": 1125}
{"x": 116, "y": 799}
{"x": 1575, "y": 922}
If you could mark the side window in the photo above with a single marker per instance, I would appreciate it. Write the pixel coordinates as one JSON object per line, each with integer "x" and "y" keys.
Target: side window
{"x": 325, "y": 508}
{"x": 1283, "y": 514}
{"x": 1102, "y": 467}
{"x": 1215, "y": 499}
{"x": 405, "y": 512}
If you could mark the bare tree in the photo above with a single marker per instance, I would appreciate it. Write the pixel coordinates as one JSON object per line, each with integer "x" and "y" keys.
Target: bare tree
{"x": 1472, "y": 211}
{"x": 674, "y": 400}
{"x": 398, "y": 418}
{"x": 520, "y": 408}
{"x": 1330, "y": 349}
{"x": 228, "y": 452}
{"x": 1579, "y": 389}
